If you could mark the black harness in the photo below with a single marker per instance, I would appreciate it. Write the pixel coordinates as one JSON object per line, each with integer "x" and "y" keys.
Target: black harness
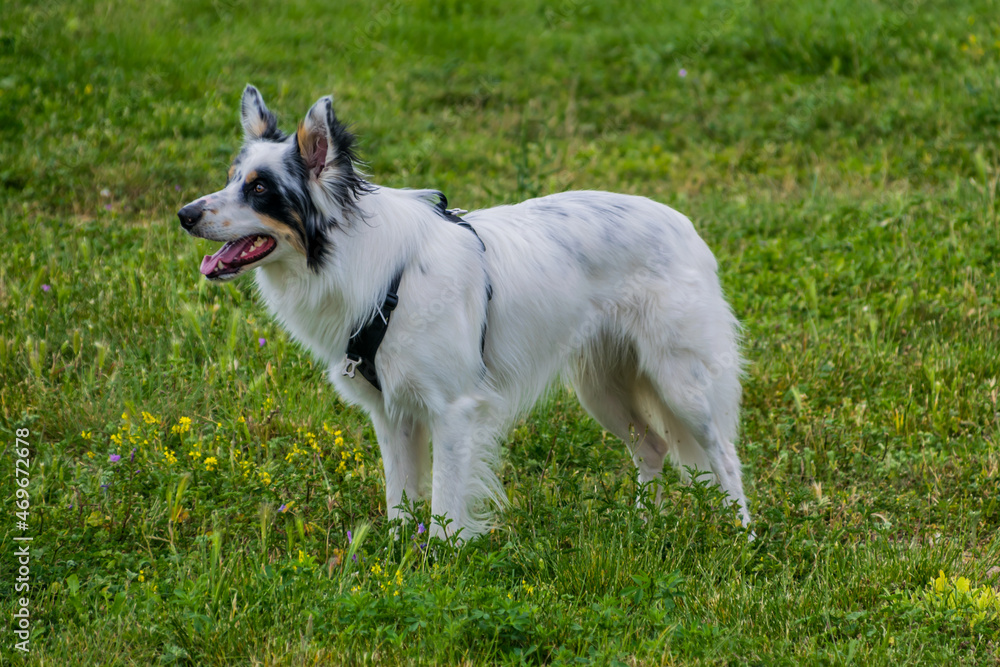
{"x": 363, "y": 345}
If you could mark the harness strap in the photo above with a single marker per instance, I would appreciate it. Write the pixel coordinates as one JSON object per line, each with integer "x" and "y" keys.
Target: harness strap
{"x": 449, "y": 215}
{"x": 363, "y": 345}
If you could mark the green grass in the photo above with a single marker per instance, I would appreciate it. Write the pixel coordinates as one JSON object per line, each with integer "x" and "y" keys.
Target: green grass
{"x": 840, "y": 159}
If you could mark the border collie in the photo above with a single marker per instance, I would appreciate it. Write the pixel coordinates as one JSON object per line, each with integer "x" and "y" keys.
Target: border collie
{"x": 447, "y": 328}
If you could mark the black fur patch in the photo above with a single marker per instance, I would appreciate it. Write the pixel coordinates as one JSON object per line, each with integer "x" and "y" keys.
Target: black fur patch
{"x": 286, "y": 200}
{"x": 351, "y": 185}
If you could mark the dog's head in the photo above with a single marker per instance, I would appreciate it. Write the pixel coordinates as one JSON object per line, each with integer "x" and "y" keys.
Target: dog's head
{"x": 283, "y": 194}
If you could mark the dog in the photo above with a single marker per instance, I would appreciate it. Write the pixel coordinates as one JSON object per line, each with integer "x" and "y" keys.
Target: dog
{"x": 445, "y": 328}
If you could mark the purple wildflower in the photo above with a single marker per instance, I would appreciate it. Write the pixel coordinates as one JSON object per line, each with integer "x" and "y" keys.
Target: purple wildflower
{"x": 421, "y": 528}
{"x": 107, "y": 207}
{"x": 46, "y": 288}
{"x": 115, "y": 458}
{"x": 683, "y": 73}
{"x": 262, "y": 341}
{"x": 350, "y": 538}
{"x": 177, "y": 188}
{"x": 283, "y": 507}
{"x": 131, "y": 459}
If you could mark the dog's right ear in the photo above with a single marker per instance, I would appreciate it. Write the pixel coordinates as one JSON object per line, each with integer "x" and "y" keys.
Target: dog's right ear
{"x": 258, "y": 121}
{"x": 325, "y": 145}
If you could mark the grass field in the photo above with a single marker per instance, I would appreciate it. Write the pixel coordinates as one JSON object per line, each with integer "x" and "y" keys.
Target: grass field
{"x": 199, "y": 495}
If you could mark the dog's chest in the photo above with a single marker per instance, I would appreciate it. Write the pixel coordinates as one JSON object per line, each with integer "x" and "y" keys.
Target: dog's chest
{"x": 313, "y": 319}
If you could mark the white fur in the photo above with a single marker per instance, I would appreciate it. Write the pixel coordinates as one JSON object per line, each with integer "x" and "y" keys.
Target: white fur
{"x": 617, "y": 292}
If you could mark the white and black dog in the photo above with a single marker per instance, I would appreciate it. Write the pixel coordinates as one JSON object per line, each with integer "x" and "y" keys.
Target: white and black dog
{"x": 445, "y": 329}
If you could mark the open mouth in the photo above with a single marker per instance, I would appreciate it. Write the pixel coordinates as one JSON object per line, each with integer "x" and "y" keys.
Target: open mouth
{"x": 232, "y": 257}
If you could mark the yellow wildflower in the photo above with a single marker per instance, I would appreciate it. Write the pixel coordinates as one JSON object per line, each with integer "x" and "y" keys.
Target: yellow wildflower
{"x": 183, "y": 425}
{"x": 210, "y": 463}
{"x": 941, "y": 583}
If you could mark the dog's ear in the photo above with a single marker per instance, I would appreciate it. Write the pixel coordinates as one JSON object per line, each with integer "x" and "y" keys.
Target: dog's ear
{"x": 258, "y": 121}
{"x": 325, "y": 145}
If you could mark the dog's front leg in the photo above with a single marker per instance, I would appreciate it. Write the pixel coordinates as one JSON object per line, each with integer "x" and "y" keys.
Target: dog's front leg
{"x": 465, "y": 453}
{"x": 405, "y": 457}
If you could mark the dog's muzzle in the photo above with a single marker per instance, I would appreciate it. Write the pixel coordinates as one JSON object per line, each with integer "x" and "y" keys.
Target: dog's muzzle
{"x": 191, "y": 214}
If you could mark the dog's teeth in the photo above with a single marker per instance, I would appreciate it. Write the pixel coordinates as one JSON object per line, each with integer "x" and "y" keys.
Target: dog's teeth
{"x": 243, "y": 254}
{"x": 221, "y": 265}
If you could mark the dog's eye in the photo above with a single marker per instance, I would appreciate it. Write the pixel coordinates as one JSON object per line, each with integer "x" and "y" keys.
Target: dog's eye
{"x": 259, "y": 188}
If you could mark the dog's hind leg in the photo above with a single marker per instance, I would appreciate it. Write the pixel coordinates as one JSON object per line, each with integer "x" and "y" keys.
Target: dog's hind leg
{"x": 701, "y": 405}
{"x": 405, "y": 448}
{"x": 607, "y": 389}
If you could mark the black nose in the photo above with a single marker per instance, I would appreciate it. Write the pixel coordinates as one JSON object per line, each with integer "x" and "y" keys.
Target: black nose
{"x": 191, "y": 214}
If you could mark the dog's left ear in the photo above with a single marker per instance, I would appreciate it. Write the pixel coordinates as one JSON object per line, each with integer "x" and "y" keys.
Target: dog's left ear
{"x": 325, "y": 145}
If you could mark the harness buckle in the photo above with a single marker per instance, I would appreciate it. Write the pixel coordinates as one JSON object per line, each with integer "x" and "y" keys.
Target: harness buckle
{"x": 350, "y": 365}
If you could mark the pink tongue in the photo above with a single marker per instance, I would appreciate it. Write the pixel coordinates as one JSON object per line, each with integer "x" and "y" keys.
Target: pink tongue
{"x": 227, "y": 253}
